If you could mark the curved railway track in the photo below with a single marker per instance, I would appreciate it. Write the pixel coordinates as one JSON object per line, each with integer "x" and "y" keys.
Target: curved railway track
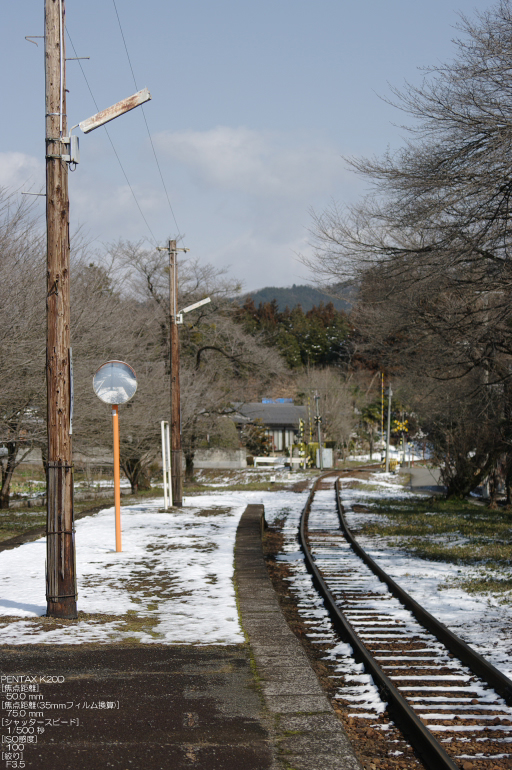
{"x": 438, "y": 690}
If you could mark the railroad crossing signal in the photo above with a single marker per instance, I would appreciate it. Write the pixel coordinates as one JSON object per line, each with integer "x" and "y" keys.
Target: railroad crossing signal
{"x": 301, "y": 430}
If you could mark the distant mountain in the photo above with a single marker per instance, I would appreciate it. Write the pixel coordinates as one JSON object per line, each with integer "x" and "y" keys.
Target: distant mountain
{"x": 306, "y": 296}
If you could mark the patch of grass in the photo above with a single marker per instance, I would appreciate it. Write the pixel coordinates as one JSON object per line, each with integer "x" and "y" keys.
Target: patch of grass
{"x": 27, "y": 471}
{"x": 496, "y": 584}
{"x": 448, "y": 530}
{"x": 137, "y": 624}
{"x": 129, "y": 624}
{"x": 197, "y": 488}
{"x": 258, "y": 486}
{"x": 209, "y": 512}
{"x": 27, "y": 487}
{"x": 14, "y": 522}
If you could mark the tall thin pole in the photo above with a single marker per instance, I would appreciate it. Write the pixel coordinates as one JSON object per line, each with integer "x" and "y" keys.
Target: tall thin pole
{"x": 318, "y": 421}
{"x": 382, "y": 407}
{"x": 168, "y": 445}
{"x": 166, "y": 464}
{"x": 60, "y": 575}
{"x": 163, "y": 426}
{"x": 117, "y": 474}
{"x": 390, "y": 393}
{"x": 176, "y": 471}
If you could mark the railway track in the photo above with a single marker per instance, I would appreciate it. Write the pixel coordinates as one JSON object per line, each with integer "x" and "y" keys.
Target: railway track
{"x": 453, "y": 706}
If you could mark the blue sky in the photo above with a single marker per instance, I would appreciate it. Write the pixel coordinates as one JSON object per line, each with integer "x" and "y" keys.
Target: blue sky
{"x": 254, "y": 104}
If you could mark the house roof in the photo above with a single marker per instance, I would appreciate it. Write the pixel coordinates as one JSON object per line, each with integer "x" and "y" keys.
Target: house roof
{"x": 271, "y": 415}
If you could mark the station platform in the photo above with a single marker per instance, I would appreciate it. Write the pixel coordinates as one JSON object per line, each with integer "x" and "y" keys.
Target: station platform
{"x": 248, "y": 706}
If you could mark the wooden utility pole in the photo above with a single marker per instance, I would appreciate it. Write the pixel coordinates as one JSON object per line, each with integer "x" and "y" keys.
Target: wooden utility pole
{"x": 176, "y": 470}
{"x": 60, "y": 548}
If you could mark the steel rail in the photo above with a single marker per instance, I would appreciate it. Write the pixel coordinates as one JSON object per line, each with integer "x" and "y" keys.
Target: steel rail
{"x": 475, "y": 662}
{"x": 431, "y": 752}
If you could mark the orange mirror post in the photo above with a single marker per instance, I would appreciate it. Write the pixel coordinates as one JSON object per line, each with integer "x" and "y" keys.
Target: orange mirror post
{"x": 117, "y": 475}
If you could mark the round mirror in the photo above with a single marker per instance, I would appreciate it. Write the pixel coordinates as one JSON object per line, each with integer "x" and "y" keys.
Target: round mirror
{"x": 115, "y": 382}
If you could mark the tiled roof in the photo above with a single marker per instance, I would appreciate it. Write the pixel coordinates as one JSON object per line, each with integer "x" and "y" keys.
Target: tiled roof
{"x": 272, "y": 415}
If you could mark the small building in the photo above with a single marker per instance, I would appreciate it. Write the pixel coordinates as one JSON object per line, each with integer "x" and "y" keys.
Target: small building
{"x": 280, "y": 419}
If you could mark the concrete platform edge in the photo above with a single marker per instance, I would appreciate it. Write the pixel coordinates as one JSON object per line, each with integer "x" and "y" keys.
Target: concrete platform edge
{"x": 299, "y": 711}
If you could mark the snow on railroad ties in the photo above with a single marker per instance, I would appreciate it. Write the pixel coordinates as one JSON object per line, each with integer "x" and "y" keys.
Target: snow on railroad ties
{"x": 479, "y": 620}
{"x": 355, "y": 686}
{"x": 171, "y": 584}
{"x": 486, "y": 628}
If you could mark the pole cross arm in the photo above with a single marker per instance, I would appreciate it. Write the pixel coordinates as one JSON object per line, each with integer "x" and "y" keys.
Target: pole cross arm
{"x": 105, "y": 116}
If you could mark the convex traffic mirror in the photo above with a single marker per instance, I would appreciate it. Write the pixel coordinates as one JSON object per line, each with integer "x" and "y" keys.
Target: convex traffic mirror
{"x": 115, "y": 382}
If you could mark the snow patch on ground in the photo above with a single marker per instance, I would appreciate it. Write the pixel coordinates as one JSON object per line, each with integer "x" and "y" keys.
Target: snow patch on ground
{"x": 479, "y": 620}
{"x": 484, "y": 624}
{"x": 175, "y": 570}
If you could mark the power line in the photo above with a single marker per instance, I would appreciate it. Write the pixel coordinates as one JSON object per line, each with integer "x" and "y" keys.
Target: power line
{"x": 113, "y": 147}
{"x": 145, "y": 120}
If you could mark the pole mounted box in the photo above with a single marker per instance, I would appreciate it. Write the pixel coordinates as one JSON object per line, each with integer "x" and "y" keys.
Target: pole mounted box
{"x": 71, "y": 145}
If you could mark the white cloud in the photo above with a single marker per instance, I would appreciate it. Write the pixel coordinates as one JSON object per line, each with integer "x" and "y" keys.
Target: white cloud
{"x": 21, "y": 171}
{"x": 241, "y": 196}
{"x": 254, "y": 162}
{"x": 262, "y": 261}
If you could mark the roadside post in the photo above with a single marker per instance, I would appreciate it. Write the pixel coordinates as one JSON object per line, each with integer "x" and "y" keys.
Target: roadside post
{"x": 318, "y": 421}
{"x": 166, "y": 463}
{"x": 389, "y": 394}
{"x": 115, "y": 383}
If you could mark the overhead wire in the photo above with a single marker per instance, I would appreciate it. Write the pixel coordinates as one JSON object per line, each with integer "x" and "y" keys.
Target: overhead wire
{"x": 145, "y": 120}
{"x": 113, "y": 147}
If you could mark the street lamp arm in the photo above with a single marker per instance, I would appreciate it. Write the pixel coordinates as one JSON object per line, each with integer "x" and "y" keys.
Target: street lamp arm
{"x": 105, "y": 116}
{"x": 195, "y": 305}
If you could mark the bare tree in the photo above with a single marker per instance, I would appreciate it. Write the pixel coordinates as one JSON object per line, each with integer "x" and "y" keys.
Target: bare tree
{"x": 336, "y": 405}
{"x": 436, "y": 228}
{"x": 22, "y": 335}
{"x": 119, "y": 310}
{"x": 219, "y": 361}
{"x": 429, "y": 248}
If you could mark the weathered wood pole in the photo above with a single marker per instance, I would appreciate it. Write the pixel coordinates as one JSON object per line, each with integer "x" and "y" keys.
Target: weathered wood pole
{"x": 60, "y": 545}
{"x": 176, "y": 470}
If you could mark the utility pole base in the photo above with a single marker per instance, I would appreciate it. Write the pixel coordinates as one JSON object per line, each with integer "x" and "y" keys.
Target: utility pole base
{"x": 177, "y": 478}
{"x": 61, "y": 592}
{"x": 62, "y": 609}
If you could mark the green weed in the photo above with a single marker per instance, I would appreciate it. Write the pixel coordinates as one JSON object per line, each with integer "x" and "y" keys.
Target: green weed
{"x": 459, "y": 532}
